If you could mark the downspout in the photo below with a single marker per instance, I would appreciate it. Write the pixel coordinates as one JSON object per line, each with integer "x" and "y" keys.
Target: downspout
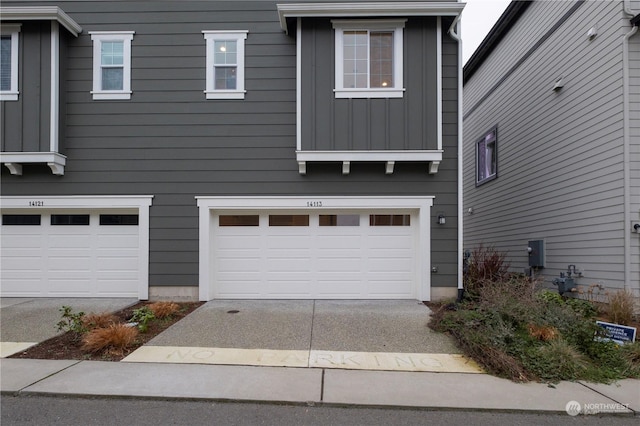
{"x": 452, "y": 32}
{"x": 626, "y": 125}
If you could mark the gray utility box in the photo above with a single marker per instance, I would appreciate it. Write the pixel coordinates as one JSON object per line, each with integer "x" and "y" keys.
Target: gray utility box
{"x": 536, "y": 253}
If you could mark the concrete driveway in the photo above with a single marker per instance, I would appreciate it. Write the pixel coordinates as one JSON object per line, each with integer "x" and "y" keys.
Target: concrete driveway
{"x": 27, "y": 321}
{"x": 337, "y": 325}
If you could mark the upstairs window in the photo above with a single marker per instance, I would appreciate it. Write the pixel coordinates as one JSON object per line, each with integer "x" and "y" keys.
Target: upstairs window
{"x": 111, "y": 64}
{"x": 369, "y": 55}
{"x": 487, "y": 157}
{"x": 225, "y": 64}
{"x": 9, "y": 62}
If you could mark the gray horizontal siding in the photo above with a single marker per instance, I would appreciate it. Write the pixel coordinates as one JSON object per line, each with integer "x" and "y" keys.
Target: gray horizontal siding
{"x": 172, "y": 143}
{"x": 560, "y": 155}
{"x": 634, "y": 111}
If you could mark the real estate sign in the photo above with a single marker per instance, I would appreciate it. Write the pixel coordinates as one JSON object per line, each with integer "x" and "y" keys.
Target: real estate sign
{"x": 618, "y": 333}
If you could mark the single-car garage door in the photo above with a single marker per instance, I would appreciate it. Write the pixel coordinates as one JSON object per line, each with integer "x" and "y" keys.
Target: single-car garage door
{"x": 70, "y": 253}
{"x": 346, "y": 254}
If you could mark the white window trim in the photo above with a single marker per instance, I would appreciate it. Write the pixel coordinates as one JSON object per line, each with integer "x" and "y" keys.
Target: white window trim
{"x": 98, "y": 37}
{"x": 209, "y": 204}
{"x": 239, "y": 36}
{"x": 12, "y": 30}
{"x": 397, "y": 26}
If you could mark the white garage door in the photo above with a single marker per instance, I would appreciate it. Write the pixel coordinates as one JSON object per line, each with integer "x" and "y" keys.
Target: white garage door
{"x": 305, "y": 254}
{"x": 70, "y": 254}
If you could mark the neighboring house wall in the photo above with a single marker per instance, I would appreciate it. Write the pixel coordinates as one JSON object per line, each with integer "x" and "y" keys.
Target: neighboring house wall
{"x": 634, "y": 138}
{"x": 170, "y": 142}
{"x": 560, "y": 154}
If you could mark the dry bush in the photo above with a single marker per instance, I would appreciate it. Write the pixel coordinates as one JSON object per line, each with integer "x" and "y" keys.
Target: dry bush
{"x": 102, "y": 320}
{"x": 485, "y": 266}
{"x": 544, "y": 333}
{"x": 620, "y": 307}
{"x": 114, "y": 338}
{"x": 163, "y": 309}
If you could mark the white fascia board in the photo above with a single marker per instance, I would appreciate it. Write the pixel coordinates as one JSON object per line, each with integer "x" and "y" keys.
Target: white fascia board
{"x": 40, "y": 202}
{"x": 384, "y": 155}
{"x": 368, "y": 10}
{"x": 40, "y": 13}
{"x": 302, "y": 202}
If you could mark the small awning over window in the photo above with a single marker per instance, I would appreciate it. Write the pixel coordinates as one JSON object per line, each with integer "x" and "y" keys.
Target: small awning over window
{"x": 289, "y": 11}
{"x": 40, "y": 13}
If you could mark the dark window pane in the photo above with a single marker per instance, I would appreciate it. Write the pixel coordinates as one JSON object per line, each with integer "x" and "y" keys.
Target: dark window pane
{"x": 239, "y": 220}
{"x": 118, "y": 219}
{"x": 339, "y": 220}
{"x": 389, "y": 220}
{"x": 5, "y": 63}
{"x": 69, "y": 219}
{"x": 112, "y": 78}
{"x": 289, "y": 220}
{"x": 21, "y": 219}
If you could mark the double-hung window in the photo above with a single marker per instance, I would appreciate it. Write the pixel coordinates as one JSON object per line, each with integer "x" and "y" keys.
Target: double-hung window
{"x": 9, "y": 62}
{"x": 111, "y": 64}
{"x": 369, "y": 58}
{"x": 225, "y": 64}
{"x": 487, "y": 157}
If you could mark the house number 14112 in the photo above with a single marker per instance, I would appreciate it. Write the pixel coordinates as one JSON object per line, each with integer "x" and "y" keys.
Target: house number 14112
{"x": 314, "y": 203}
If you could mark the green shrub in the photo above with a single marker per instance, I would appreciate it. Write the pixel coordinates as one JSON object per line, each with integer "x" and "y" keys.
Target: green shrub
{"x": 514, "y": 330}
{"x": 71, "y": 321}
{"x": 143, "y": 316}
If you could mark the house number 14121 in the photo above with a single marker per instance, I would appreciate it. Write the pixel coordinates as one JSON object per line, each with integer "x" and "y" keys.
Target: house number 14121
{"x": 314, "y": 203}
{"x": 36, "y": 203}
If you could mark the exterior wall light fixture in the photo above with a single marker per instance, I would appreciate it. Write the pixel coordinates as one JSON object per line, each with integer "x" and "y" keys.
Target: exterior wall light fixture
{"x": 441, "y": 219}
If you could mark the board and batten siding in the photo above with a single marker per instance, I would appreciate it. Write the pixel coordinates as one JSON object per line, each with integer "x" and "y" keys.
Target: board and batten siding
{"x": 170, "y": 142}
{"x": 369, "y": 124}
{"x": 560, "y": 154}
{"x": 25, "y": 122}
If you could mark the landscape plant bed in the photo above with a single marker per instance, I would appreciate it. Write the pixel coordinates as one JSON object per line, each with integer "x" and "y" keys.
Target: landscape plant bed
{"x": 69, "y": 344}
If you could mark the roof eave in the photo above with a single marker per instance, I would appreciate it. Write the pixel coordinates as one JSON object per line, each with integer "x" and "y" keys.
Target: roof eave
{"x": 368, "y": 9}
{"x": 40, "y": 13}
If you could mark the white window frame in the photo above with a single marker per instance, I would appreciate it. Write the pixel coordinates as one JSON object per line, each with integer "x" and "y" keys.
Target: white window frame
{"x": 98, "y": 37}
{"x": 397, "y": 26}
{"x": 489, "y": 136}
{"x": 12, "y": 30}
{"x": 211, "y": 36}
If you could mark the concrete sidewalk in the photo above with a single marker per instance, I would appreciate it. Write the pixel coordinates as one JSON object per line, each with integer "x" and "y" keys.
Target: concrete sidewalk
{"x": 312, "y": 386}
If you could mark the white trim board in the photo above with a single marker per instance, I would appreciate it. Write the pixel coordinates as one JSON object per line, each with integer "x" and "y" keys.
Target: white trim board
{"x": 207, "y": 204}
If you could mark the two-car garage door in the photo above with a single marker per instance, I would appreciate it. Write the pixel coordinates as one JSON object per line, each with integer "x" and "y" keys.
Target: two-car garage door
{"x": 71, "y": 253}
{"x": 346, "y": 254}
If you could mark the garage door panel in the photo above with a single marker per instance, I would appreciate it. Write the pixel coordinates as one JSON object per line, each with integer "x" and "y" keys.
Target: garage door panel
{"x": 232, "y": 265}
{"x": 286, "y": 288}
{"x": 338, "y": 266}
{"x": 118, "y": 241}
{"x": 69, "y": 241}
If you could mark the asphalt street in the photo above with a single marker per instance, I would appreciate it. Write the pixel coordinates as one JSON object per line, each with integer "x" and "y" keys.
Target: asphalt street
{"x": 69, "y": 411}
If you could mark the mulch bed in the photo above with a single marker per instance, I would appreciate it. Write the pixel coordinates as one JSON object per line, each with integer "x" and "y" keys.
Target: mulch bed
{"x": 67, "y": 345}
